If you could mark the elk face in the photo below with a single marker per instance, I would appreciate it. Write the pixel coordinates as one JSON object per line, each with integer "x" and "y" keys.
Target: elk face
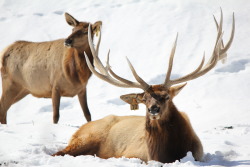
{"x": 79, "y": 36}
{"x": 156, "y": 101}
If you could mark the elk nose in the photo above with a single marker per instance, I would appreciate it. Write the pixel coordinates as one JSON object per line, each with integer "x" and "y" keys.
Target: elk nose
{"x": 154, "y": 110}
{"x": 68, "y": 42}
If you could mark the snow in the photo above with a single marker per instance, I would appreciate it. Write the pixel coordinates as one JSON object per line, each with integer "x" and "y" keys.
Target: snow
{"x": 144, "y": 31}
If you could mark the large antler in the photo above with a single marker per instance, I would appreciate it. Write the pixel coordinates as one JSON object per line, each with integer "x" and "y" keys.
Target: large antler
{"x": 104, "y": 71}
{"x": 219, "y": 53}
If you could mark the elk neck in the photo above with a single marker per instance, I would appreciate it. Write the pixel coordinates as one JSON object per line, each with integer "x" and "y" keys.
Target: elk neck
{"x": 75, "y": 65}
{"x": 164, "y": 136}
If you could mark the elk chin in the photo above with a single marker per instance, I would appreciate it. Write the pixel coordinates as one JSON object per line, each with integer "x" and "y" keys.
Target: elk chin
{"x": 67, "y": 45}
{"x": 154, "y": 116}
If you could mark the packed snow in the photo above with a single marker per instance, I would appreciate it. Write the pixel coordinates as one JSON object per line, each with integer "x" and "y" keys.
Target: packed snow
{"x": 218, "y": 104}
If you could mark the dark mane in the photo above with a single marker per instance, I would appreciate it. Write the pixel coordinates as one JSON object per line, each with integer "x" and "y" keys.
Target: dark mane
{"x": 167, "y": 138}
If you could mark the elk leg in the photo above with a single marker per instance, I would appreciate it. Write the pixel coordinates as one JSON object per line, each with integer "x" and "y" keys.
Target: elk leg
{"x": 72, "y": 150}
{"x": 20, "y": 95}
{"x": 82, "y": 96}
{"x": 56, "y": 104}
{"x": 10, "y": 91}
{"x": 79, "y": 147}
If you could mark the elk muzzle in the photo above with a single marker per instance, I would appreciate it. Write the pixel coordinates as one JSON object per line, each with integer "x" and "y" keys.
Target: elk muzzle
{"x": 68, "y": 42}
{"x": 154, "y": 112}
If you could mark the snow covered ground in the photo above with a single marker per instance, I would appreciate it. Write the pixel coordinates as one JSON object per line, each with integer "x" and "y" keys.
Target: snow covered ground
{"x": 218, "y": 104}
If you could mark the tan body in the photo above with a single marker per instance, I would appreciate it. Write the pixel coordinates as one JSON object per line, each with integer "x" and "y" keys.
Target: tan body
{"x": 39, "y": 67}
{"x": 126, "y": 136}
{"x": 106, "y": 138}
{"x": 47, "y": 69}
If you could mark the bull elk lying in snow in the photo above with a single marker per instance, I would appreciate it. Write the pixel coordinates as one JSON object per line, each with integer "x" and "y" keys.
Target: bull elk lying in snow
{"x": 164, "y": 135}
{"x": 48, "y": 69}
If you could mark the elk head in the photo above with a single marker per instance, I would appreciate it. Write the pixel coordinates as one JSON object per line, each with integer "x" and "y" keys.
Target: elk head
{"x": 80, "y": 31}
{"x": 158, "y": 98}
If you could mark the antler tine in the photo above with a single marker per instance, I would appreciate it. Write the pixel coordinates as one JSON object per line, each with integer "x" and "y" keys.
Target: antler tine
{"x": 94, "y": 51}
{"x": 170, "y": 64}
{"x": 115, "y": 75}
{"x": 222, "y": 57}
{"x": 209, "y": 65}
{"x": 216, "y": 56}
{"x": 223, "y": 50}
{"x": 231, "y": 38}
{"x": 99, "y": 41}
{"x": 107, "y": 61}
{"x": 143, "y": 84}
{"x": 104, "y": 71}
{"x": 220, "y": 25}
{"x": 137, "y": 77}
{"x": 217, "y": 45}
{"x": 108, "y": 78}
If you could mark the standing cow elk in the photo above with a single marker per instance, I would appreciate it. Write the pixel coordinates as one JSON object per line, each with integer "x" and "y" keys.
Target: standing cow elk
{"x": 48, "y": 69}
{"x": 164, "y": 135}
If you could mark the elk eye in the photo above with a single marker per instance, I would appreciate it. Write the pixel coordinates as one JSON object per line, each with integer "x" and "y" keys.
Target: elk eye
{"x": 162, "y": 99}
{"x": 78, "y": 33}
{"x": 84, "y": 31}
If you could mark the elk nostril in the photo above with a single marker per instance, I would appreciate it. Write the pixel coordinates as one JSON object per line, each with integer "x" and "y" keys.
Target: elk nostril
{"x": 154, "y": 110}
{"x": 68, "y": 42}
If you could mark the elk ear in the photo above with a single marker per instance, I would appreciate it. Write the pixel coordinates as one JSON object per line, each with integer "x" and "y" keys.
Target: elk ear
{"x": 71, "y": 20}
{"x": 174, "y": 90}
{"x": 133, "y": 99}
{"x": 96, "y": 27}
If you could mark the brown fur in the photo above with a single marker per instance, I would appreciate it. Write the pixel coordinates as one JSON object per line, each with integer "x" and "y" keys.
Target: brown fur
{"x": 47, "y": 69}
{"x": 166, "y": 139}
{"x": 171, "y": 139}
